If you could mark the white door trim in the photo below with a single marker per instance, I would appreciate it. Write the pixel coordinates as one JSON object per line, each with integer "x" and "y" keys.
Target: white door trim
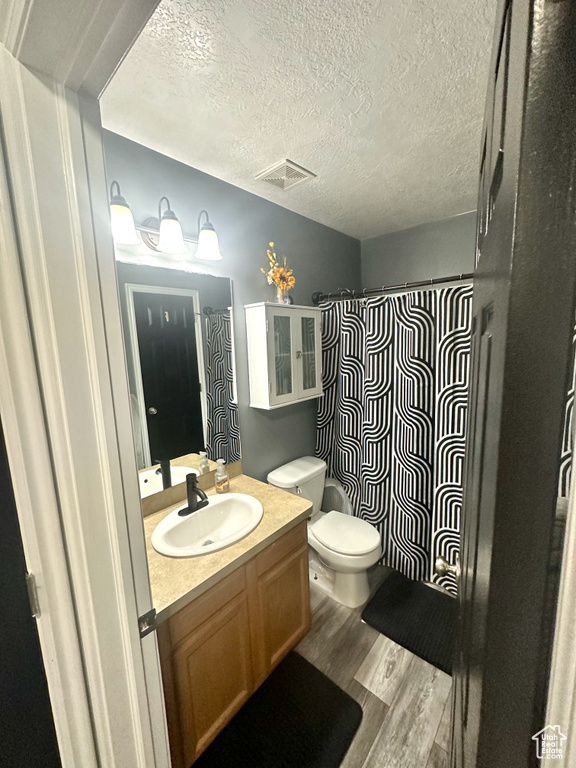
{"x": 36, "y": 496}
{"x": 134, "y": 353}
{"x": 561, "y": 706}
{"x": 73, "y": 462}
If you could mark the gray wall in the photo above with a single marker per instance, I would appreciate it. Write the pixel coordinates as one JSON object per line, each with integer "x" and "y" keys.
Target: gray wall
{"x": 439, "y": 249}
{"x": 322, "y": 259}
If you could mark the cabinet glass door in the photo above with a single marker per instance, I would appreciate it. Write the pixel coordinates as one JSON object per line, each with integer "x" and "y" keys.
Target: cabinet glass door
{"x": 308, "y": 328}
{"x": 282, "y": 356}
{"x": 310, "y": 373}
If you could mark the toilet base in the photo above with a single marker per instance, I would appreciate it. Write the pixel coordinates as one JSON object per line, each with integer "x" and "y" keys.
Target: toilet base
{"x": 349, "y": 589}
{"x": 320, "y": 576}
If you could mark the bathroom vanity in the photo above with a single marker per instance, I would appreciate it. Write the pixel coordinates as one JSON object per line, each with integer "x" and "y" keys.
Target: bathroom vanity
{"x": 226, "y": 619}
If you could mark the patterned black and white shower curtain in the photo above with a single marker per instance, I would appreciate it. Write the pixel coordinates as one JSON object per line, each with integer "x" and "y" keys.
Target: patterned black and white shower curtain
{"x": 223, "y": 433}
{"x": 392, "y": 422}
{"x": 568, "y": 432}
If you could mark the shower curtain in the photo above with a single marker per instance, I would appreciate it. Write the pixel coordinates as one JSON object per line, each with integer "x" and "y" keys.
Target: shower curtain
{"x": 392, "y": 422}
{"x": 223, "y": 433}
{"x": 568, "y": 432}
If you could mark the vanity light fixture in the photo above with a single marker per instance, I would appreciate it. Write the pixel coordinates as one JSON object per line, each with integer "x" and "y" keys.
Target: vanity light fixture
{"x": 122, "y": 221}
{"x": 208, "y": 248}
{"x": 164, "y": 234}
{"x": 171, "y": 239}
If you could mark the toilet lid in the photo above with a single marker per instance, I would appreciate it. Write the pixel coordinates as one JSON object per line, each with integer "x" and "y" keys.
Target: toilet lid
{"x": 346, "y": 534}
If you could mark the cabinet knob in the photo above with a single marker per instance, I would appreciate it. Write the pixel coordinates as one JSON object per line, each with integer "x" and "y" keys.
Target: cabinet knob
{"x": 298, "y": 354}
{"x": 152, "y": 411}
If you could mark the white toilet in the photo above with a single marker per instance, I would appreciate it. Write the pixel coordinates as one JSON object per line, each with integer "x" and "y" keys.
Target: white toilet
{"x": 343, "y": 546}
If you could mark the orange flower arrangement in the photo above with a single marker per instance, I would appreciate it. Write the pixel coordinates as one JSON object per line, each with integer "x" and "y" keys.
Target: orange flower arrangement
{"x": 277, "y": 275}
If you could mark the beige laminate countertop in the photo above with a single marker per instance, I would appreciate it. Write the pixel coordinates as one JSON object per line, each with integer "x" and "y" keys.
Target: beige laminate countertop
{"x": 175, "y": 581}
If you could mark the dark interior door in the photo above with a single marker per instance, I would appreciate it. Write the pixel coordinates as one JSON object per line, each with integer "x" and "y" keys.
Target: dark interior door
{"x": 169, "y": 365}
{"x": 523, "y": 317}
{"x": 27, "y": 735}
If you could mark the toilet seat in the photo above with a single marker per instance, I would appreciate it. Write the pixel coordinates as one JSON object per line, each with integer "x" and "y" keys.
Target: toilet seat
{"x": 346, "y": 534}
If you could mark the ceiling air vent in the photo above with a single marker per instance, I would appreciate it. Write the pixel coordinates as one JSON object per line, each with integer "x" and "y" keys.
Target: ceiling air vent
{"x": 285, "y": 175}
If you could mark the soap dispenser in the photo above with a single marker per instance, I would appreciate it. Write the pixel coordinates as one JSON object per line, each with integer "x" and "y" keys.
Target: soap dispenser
{"x": 221, "y": 478}
{"x": 204, "y": 467}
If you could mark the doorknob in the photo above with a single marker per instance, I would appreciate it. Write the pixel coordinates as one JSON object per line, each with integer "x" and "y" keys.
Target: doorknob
{"x": 443, "y": 567}
{"x": 152, "y": 411}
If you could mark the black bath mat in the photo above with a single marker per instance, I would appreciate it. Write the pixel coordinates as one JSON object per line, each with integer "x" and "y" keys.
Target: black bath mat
{"x": 297, "y": 718}
{"x": 417, "y": 617}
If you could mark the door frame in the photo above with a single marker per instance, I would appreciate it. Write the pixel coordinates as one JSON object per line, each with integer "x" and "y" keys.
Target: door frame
{"x": 524, "y": 310}
{"x": 561, "y": 704}
{"x": 42, "y": 536}
{"x": 63, "y": 381}
{"x": 134, "y": 353}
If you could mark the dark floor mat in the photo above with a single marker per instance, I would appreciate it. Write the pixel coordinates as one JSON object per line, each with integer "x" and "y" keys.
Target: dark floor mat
{"x": 297, "y": 718}
{"x": 417, "y": 617}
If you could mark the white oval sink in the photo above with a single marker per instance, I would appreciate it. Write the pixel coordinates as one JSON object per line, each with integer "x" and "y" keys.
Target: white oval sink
{"x": 226, "y": 520}
{"x": 151, "y": 480}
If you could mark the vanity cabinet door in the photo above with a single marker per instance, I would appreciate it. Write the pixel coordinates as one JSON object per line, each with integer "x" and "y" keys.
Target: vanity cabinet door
{"x": 213, "y": 675}
{"x": 280, "y": 593}
{"x": 208, "y": 672}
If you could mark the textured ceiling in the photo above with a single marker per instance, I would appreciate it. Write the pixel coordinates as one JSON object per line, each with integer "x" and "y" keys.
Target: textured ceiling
{"x": 383, "y": 100}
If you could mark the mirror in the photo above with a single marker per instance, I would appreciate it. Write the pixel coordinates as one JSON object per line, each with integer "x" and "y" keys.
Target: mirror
{"x": 180, "y": 357}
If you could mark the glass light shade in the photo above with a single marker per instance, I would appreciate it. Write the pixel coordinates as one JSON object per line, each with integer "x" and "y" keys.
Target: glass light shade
{"x": 171, "y": 239}
{"x": 208, "y": 248}
{"x": 122, "y": 221}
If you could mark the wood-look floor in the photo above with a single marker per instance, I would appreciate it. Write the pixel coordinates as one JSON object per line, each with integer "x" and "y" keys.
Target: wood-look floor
{"x": 406, "y": 701}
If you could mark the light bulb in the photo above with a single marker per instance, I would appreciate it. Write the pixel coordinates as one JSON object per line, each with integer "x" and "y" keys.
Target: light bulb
{"x": 208, "y": 248}
{"x": 171, "y": 239}
{"x": 121, "y": 219}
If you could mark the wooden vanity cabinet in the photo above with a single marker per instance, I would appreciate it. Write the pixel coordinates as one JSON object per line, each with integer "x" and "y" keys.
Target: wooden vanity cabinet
{"x": 279, "y": 593}
{"x": 217, "y": 650}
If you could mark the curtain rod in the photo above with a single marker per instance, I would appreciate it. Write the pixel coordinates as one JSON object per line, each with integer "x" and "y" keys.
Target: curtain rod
{"x": 209, "y": 311}
{"x": 318, "y": 296}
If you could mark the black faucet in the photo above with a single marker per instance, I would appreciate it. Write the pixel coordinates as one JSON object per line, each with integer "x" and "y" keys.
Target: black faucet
{"x": 165, "y": 471}
{"x": 197, "y": 499}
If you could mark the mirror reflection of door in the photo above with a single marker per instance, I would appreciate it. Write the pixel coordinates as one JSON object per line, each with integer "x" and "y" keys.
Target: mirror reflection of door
{"x": 166, "y": 330}
{"x": 179, "y": 355}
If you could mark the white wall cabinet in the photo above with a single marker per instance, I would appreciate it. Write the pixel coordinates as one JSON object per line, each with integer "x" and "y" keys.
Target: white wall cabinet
{"x": 284, "y": 354}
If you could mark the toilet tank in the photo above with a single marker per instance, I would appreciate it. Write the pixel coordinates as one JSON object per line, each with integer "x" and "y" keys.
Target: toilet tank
{"x": 304, "y": 477}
